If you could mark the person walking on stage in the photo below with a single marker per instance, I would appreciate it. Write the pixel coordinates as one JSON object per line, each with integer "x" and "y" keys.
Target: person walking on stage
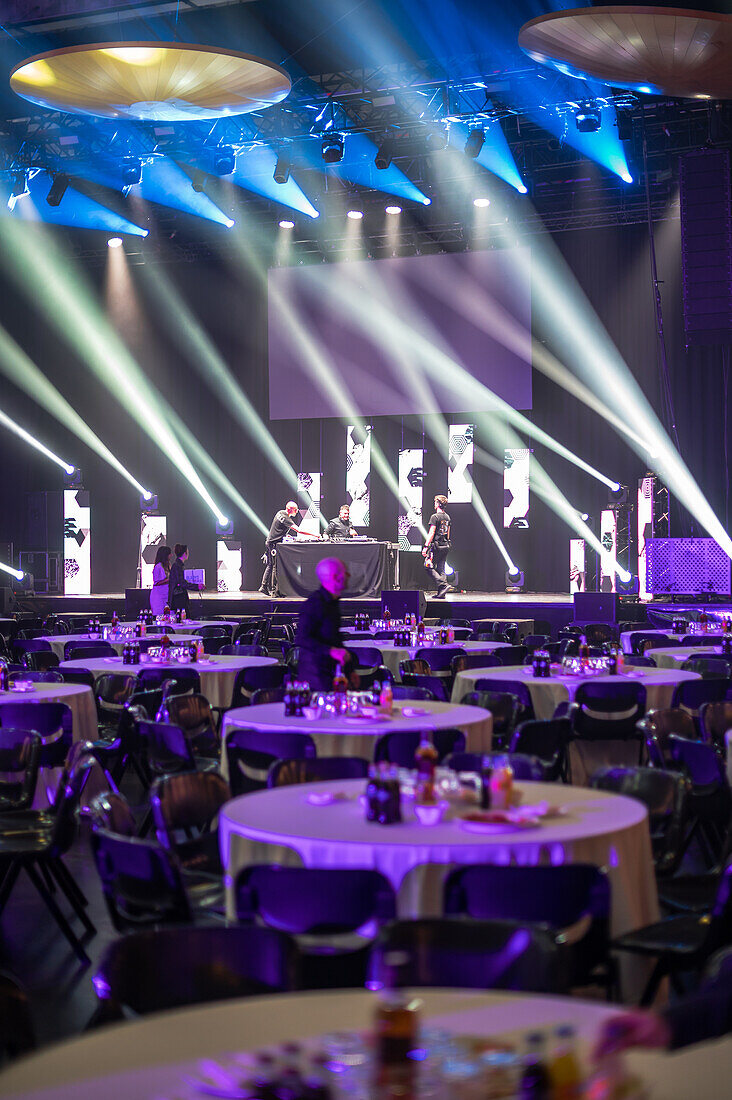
{"x": 436, "y": 547}
{"x": 178, "y": 586}
{"x": 340, "y": 527}
{"x": 319, "y": 628}
{"x": 161, "y": 573}
{"x": 282, "y": 524}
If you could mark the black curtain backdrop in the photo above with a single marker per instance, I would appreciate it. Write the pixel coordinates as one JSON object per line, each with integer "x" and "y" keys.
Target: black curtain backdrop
{"x": 611, "y": 265}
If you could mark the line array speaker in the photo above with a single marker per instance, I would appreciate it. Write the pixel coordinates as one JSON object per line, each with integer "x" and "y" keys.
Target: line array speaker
{"x": 706, "y": 246}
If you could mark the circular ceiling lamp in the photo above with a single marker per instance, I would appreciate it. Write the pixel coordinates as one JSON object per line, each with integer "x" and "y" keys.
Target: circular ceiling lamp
{"x": 150, "y": 81}
{"x": 659, "y": 51}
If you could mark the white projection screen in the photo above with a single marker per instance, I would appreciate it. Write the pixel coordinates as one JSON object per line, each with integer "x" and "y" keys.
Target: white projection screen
{"x": 363, "y": 337}
{"x": 77, "y": 543}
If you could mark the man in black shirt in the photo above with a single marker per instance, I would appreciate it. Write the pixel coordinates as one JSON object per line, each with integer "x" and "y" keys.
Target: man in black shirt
{"x": 319, "y": 627}
{"x": 282, "y": 524}
{"x": 340, "y": 527}
{"x": 437, "y": 545}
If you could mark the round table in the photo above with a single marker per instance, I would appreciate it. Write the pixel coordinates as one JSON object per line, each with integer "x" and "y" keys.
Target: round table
{"x": 342, "y": 736}
{"x": 190, "y": 624}
{"x": 80, "y": 699}
{"x": 217, "y": 673}
{"x": 626, "y": 638}
{"x": 546, "y": 694}
{"x": 394, "y": 654}
{"x": 674, "y": 657}
{"x": 281, "y": 826}
{"x": 149, "y": 1057}
{"x": 58, "y": 642}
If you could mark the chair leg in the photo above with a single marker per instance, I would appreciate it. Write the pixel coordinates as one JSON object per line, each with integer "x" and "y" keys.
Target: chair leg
{"x": 50, "y": 884}
{"x": 649, "y": 993}
{"x": 57, "y": 915}
{"x": 66, "y": 879}
{"x": 72, "y": 896}
{"x": 9, "y": 879}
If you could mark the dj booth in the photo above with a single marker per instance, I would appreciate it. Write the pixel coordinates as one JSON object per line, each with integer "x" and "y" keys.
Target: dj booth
{"x": 372, "y": 565}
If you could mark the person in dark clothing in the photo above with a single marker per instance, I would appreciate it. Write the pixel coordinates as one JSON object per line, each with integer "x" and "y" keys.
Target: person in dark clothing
{"x": 699, "y": 1016}
{"x": 282, "y": 524}
{"x": 436, "y": 547}
{"x": 178, "y": 586}
{"x": 340, "y": 527}
{"x": 319, "y": 628}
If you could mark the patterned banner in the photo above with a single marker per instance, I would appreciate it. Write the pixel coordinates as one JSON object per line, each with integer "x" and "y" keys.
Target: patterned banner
{"x": 308, "y": 496}
{"x": 358, "y": 474}
{"x": 228, "y": 566}
{"x": 577, "y": 566}
{"x": 609, "y": 540}
{"x": 77, "y": 543}
{"x": 153, "y": 534}
{"x": 411, "y": 478}
{"x": 516, "y": 487}
{"x": 460, "y": 459}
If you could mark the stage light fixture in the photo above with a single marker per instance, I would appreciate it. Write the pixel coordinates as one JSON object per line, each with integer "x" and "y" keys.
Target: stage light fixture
{"x": 148, "y": 502}
{"x": 198, "y": 180}
{"x": 331, "y": 148}
{"x": 384, "y": 155}
{"x": 618, "y": 493}
{"x": 57, "y": 189}
{"x": 73, "y": 478}
{"x": 355, "y": 210}
{"x": 481, "y": 202}
{"x": 515, "y": 580}
{"x": 627, "y": 584}
{"x": 392, "y": 209}
{"x": 224, "y": 161}
{"x": 285, "y": 223}
{"x": 587, "y": 119}
{"x": 282, "y": 168}
{"x": 17, "y": 573}
{"x": 114, "y": 242}
{"x": 474, "y": 142}
{"x": 225, "y": 528}
{"x": 131, "y": 172}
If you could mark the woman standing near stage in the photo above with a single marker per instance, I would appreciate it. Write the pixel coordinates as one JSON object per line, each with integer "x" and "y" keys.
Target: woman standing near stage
{"x": 161, "y": 573}
{"x": 178, "y": 586}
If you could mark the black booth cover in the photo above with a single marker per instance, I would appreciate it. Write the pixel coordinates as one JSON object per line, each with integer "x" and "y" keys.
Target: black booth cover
{"x": 368, "y": 564}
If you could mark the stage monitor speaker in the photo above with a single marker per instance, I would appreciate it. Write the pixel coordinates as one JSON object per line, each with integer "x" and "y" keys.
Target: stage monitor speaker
{"x": 409, "y": 602}
{"x": 136, "y": 600}
{"x": 7, "y": 601}
{"x": 706, "y": 246}
{"x": 595, "y": 607}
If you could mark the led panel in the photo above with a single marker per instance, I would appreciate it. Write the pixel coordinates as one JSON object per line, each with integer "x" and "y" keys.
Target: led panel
{"x": 77, "y": 543}
{"x": 577, "y": 566}
{"x": 459, "y": 462}
{"x": 153, "y": 534}
{"x": 411, "y": 478}
{"x": 516, "y": 487}
{"x": 308, "y": 496}
{"x": 609, "y": 540}
{"x": 228, "y": 566}
{"x": 358, "y": 474}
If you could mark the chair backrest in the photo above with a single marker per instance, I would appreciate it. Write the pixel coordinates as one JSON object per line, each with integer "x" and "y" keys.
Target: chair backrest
{"x": 709, "y": 668}
{"x": 546, "y": 739}
{"x": 194, "y": 716}
{"x": 411, "y": 691}
{"x": 511, "y": 654}
{"x": 250, "y": 754}
{"x": 439, "y": 659}
{"x": 461, "y": 952}
{"x": 473, "y": 660}
{"x": 67, "y": 800}
{"x": 367, "y": 656}
{"x": 214, "y": 630}
{"x": 111, "y": 811}
{"x": 702, "y": 639}
{"x": 31, "y": 645}
{"x": 700, "y": 762}
{"x": 283, "y": 773}
{"x": 51, "y": 676}
{"x": 267, "y": 695}
{"x": 608, "y": 710}
{"x": 20, "y": 755}
{"x": 436, "y": 684}
{"x": 314, "y": 901}
{"x": 640, "y": 642}
{"x": 658, "y": 725}
{"x": 639, "y": 662}
{"x": 75, "y": 652}
{"x": 151, "y": 678}
{"x": 41, "y": 661}
{"x": 597, "y": 633}
{"x": 494, "y": 687}
{"x": 51, "y": 721}
{"x": 167, "y": 749}
{"x": 187, "y": 800}
{"x": 78, "y": 676}
{"x": 491, "y": 636}
{"x": 243, "y": 649}
{"x": 141, "y": 882}
{"x": 399, "y": 748}
{"x": 714, "y": 720}
{"x": 524, "y": 767}
{"x": 418, "y": 667}
{"x": 692, "y": 694}
{"x": 535, "y": 641}
{"x": 113, "y": 689}
{"x": 249, "y": 680}
{"x": 664, "y": 795}
{"x": 173, "y": 967}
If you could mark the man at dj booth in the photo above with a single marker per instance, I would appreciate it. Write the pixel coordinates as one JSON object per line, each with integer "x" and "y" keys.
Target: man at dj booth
{"x": 340, "y": 527}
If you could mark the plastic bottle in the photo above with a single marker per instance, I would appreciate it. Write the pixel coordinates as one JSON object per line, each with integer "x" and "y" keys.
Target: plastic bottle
{"x": 376, "y": 693}
{"x": 486, "y": 771}
{"x": 501, "y": 784}
{"x": 564, "y": 1071}
{"x": 534, "y": 1078}
{"x": 340, "y": 687}
{"x": 425, "y": 760}
{"x": 386, "y": 699}
{"x": 420, "y": 631}
{"x": 396, "y": 1032}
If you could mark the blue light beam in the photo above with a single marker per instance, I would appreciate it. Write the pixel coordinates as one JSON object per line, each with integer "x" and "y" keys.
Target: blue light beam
{"x": 358, "y": 167}
{"x": 495, "y": 156}
{"x": 164, "y": 182}
{"x": 254, "y": 172}
{"x": 74, "y": 209}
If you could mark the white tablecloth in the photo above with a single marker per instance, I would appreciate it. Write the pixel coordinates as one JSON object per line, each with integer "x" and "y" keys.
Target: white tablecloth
{"x": 217, "y": 673}
{"x": 148, "y": 1058}
{"x": 59, "y": 641}
{"x": 394, "y": 654}
{"x": 192, "y": 624}
{"x": 675, "y": 657}
{"x": 357, "y": 736}
{"x": 281, "y": 826}
{"x": 627, "y": 635}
